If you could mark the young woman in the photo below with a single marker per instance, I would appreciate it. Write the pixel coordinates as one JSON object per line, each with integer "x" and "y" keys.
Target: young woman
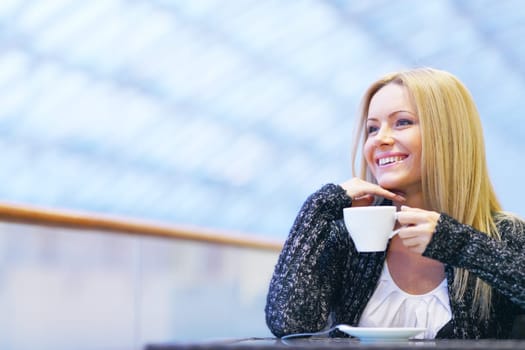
{"x": 457, "y": 266}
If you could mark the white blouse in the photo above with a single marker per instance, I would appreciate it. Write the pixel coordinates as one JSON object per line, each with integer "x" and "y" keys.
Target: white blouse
{"x": 390, "y": 306}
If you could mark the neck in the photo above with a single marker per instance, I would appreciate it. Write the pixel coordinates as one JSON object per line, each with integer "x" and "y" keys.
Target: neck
{"x": 414, "y": 200}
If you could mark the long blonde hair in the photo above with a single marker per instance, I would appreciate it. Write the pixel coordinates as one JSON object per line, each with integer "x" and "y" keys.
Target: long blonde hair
{"x": 453, "y": 164}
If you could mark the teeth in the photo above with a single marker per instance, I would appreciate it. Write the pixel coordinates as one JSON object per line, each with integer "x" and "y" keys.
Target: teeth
{"x": 388, "y": 160}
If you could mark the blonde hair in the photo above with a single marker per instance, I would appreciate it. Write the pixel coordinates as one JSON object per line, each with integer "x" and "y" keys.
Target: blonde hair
{"x": 453, "y": 164}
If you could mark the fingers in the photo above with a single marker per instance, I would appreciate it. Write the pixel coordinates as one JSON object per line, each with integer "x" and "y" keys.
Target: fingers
{"x": 362, "y": 201}
{"x": 363, "y": 192}
{"x": 412, "y": 216}
{"x": 418, "y": 227}
{"x": 391, "y": 195}
{"x": 414, "y": 238}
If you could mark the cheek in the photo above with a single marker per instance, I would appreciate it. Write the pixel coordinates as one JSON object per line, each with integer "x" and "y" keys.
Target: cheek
{"x": 417, "y": 148}
{"x": 368, "y": 154}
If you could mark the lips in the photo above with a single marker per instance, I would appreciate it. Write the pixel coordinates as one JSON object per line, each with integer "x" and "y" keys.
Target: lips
{"x": 390, "y": 160}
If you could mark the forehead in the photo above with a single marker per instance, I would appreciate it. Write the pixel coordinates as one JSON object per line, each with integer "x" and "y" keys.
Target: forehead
{"x": 391, "y": 98}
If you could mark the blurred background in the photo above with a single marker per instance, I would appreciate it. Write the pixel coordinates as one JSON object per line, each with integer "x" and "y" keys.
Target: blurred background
{"x": 227, "y": 114}
{"x": 215, "y": 114}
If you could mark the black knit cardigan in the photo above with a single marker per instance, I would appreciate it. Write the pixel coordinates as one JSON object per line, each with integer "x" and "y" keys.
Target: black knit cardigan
{"x": 319, "y": 272}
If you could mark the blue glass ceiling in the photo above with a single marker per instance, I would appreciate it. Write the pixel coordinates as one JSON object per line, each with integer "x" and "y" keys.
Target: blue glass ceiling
{"x": 227, "y": 114}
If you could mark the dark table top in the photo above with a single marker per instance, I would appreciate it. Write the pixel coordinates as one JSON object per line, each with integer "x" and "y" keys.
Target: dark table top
{"x": 337, "y": 343}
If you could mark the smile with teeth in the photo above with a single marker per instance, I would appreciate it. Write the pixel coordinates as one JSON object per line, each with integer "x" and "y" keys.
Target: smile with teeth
{"x": 390, "y": 160}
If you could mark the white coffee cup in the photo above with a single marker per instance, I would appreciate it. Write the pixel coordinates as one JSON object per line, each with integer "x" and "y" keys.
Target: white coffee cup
{"x": 370, "y": 227}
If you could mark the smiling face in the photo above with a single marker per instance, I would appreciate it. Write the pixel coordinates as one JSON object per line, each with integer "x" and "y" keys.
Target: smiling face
{"x": 393, "y": 145}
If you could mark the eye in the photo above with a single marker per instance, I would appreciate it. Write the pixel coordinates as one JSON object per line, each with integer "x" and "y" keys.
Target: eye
{"x": 371, "y": 129}
{"x": 404, "y": 122}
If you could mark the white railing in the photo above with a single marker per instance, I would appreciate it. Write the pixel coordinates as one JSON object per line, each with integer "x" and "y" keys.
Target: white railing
{"x": 84, "y": 281}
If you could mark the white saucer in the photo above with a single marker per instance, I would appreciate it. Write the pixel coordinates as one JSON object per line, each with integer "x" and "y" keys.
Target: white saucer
{"x": 381, "y": 333}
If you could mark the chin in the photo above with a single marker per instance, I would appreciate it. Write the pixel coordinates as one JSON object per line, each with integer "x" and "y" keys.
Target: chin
{"x": 389, "y": 184}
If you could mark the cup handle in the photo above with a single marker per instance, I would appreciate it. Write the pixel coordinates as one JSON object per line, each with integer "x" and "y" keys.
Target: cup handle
{"x": 395, "y": 232}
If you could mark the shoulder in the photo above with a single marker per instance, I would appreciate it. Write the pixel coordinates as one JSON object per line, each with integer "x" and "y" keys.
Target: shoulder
{"x": 509, "y": 226}
{"x": 508, "y": 220}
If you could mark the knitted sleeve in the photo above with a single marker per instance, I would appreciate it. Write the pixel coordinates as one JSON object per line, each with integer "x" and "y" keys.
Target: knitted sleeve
{"x": 305, "y": 279}
{"x": 500, "y": 263}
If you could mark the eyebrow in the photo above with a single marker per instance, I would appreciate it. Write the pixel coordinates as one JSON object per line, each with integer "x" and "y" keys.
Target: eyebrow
{"x": 394, "y": 113}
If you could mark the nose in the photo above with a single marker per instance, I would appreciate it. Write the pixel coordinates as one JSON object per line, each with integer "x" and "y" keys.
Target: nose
{"x": 384, "y": 136}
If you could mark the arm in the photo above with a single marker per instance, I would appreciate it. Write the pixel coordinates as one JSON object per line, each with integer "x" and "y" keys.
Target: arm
{"x": 305, "y": 278}
{"x": 499, "y": 263}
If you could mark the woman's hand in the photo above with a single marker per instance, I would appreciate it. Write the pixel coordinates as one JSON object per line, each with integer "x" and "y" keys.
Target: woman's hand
{"x": 363, "y": 192}
{"x": 418, "y": 226}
